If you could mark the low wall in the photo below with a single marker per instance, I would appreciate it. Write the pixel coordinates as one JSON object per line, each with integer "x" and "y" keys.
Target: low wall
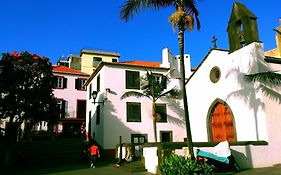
{"x": 247, "y": 154}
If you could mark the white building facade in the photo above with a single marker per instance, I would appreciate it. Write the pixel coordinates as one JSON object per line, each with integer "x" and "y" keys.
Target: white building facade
{"x": 131, "y": 118}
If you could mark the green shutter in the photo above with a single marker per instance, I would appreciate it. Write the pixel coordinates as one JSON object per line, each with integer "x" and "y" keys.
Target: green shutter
{"x": 132, "y": 80}
{"x": 161, "y": 109}
{"x": 133, "y": 112}
{"x": 64, "y": 82}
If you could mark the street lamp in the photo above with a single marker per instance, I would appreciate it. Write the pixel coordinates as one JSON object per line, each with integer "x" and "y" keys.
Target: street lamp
{"x": 94, "y": 95}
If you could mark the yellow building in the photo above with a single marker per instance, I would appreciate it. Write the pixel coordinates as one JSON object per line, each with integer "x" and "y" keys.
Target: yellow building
{"x": 88, "y": 60}
{"x": 91, "y": 58}
{"x": 277, "y": 51}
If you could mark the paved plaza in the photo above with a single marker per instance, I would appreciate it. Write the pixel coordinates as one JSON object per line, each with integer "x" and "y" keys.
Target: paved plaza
{"x": 81, "y": 169}
{"x": 105, "y": 168}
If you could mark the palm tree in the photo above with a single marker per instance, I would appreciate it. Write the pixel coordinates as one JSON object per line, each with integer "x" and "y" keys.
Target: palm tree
{"x": 153, "y": 88}
{"x": 182, "y": 19}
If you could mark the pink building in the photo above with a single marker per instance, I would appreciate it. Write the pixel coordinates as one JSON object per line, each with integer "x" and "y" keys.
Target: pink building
{"x": 71, "y": 97}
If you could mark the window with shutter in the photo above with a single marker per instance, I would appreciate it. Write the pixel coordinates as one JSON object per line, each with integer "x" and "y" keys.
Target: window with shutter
{"x": 161, "y": 79}
{"x": 79, "y": 82}
{"x": 98, "y": 115}
{"x": 138, "y": 138}
{"x": 60, "y": 82}
{"x": 161, "y": 112}
{"x": 166, "y": 136}
{"x": 64, "y": 83}
{"x": 133, "y": 112}
{"x": 89, "y": 125}
{"x": 132, "y": 80}
{"x": 90, "y": 91}
{"x": 98, "y": 83}
{"x": 96, "y": 61}
{"x": 62, "y": 106}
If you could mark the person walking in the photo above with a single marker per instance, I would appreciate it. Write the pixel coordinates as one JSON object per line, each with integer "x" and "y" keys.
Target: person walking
{"x": 94, "y": 154}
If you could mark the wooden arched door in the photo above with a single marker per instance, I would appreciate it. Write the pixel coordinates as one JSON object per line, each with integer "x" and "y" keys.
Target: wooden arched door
{"x": 222, "y": 124}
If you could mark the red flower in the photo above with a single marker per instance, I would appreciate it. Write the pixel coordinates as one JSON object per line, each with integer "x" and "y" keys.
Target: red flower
{"x": 36, "y": 57}
{"x": 15, "y": 54}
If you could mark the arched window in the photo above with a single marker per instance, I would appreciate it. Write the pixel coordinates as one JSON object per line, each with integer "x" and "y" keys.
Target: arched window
{"x": 221, "y": 123}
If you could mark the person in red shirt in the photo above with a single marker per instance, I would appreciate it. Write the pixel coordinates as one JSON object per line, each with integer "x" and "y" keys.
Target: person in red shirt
{"x": 94, "y": 154}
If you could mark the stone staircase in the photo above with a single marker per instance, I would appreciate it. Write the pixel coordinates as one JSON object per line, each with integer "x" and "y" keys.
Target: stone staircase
{"x": 50, "y": 153}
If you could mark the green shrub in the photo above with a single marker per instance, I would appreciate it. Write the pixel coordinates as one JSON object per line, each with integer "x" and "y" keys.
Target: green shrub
{"x": 179, "y": 165}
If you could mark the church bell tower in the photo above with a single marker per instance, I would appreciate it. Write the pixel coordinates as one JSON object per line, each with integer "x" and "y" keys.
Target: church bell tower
{"x": 242, "y": 27}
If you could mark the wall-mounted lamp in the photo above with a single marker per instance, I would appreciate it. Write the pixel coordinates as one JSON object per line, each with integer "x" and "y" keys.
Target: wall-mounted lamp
{"x": 94, "y": 95}
{"x": 107, "y": 90}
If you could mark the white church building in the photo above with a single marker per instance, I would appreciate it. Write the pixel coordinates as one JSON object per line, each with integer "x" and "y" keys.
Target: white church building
{"x": 224, "y": 106}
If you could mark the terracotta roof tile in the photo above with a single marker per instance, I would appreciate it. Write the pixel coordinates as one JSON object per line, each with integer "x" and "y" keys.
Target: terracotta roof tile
{"x": 63, "y": 69}
{"x": 142, "y": 63}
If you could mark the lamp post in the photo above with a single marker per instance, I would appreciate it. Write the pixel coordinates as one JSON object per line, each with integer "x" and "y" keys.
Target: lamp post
{"x": 94, "y": 95}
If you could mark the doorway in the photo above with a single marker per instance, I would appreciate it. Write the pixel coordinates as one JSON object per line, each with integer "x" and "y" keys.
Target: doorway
{"x": 221, "y": 123}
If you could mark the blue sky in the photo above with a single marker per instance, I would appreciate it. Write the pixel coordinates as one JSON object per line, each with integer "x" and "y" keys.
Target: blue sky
{"x": 54, "y": 28}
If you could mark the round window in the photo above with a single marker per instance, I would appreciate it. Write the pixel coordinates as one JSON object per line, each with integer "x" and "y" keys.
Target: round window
{"x": 215, "y": 74}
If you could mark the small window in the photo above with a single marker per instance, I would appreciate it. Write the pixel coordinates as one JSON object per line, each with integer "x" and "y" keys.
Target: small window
{"x": 215, "y": 74}
{"x": 166, "y": 136}
{"x": 161, "y": 80}
{"x": 98, "y": 115}
{"x": 138, "y": 138}
{"x": 161, "y": 113}
{"x": 79, "y": 82}
{"x": 60, "y": 82}
{"x": 89, "y": 125}
{"x": 98, "y": 83}
{"x": 81, "y": 109}
{"x": 133, "y": 112}
{"x": 90, "y": 91}
{"x": 62, "y": 107}
{"x": 114, "y": 60}
{"x": 96, "y": 61}
{"x": 132, "y": 80}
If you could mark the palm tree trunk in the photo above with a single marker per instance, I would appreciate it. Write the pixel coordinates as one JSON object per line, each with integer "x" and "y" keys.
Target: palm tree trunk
{"x": 185, "y": 104}
{"x": 154, "y": 120}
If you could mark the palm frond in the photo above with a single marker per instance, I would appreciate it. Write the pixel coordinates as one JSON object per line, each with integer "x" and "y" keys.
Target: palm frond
{"x": 279, "y": 32}
{"x": 175, "y": 18}
{"x": 132, "y": 93}
{"x": 172, "y": 93}
{"x": 190, "y": 8}
{"x": 189, "y": 22}
{"x": 271, "y": 94}
{"x": 132, "y": 7}
{"x": 270, "y": 78}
